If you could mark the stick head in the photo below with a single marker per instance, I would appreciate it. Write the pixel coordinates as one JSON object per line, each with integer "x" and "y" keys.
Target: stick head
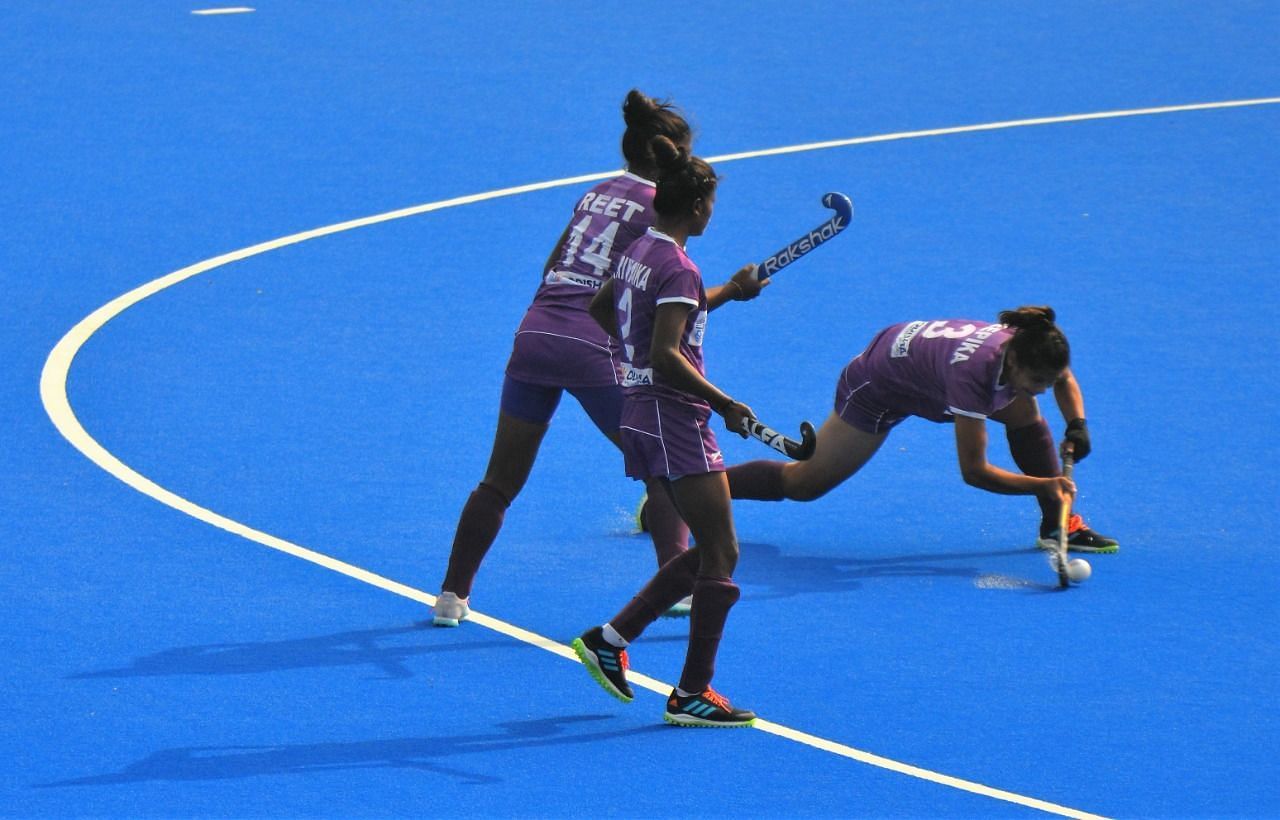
{"x": 841, "y": 204}
{"x": 808, "y": 442}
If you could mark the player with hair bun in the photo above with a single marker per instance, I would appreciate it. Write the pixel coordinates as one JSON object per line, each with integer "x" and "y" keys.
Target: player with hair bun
{"x": 559, "y": 347}
{"x": 959, "y": 370}
{"x": 656, "y": 306}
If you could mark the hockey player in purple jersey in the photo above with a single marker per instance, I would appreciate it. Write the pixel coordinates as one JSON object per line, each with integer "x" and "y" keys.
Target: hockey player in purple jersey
{"x": 656, "y": 306}
{"x": 951, "y": 370}
{"x": 559, "y": 347}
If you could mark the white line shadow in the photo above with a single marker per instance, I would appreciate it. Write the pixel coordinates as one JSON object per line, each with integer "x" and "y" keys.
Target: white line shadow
{"x": 53, "y": 394}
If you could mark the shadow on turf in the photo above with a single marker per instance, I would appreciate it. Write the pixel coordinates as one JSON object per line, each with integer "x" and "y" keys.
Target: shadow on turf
{"x": 785, "y": 575}
{"x": 765, "y": 565}
{"x": 382, "y": 649}
{"x": 196, "y": 763}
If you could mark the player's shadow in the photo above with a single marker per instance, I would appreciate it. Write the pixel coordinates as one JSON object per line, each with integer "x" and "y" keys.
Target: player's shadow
{"x": 786, "y": 575}
{"x": 385, "y": 650}
{"x": 423, "y": 754}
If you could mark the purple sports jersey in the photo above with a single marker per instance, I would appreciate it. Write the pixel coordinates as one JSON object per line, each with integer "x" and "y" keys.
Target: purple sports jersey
{"x": 935, "y": 369}
{"x": 558, "y": 343}
{"x": 655, "y": 271}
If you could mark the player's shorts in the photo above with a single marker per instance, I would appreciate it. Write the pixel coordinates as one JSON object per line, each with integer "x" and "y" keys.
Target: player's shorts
{"x": 537, "y": 403}
{"x": 861, "y": 404}
{"x": 668, "y": 439}
{"x": 557, "y": 360}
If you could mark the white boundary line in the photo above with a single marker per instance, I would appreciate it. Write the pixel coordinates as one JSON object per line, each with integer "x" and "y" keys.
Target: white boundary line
{"x": 53, "y": 394}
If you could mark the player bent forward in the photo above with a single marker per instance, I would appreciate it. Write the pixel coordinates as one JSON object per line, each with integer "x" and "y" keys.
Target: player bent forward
{"x": 958, "y": 370}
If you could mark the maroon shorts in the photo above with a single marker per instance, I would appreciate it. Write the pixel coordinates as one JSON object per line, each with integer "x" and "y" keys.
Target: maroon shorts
{"x": 662, "y": 438}
{"x": 860, "y": 403}
{"x": 562, "y": 361}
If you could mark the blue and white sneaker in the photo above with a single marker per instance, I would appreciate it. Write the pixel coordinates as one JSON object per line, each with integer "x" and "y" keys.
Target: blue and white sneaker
{"x": 710, "y": 709}
{"x": 607, "y": 663}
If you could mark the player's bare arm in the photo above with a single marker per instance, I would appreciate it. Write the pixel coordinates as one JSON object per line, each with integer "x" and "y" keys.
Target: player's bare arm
{"x": 1066, "y": 392}
{"x": 664, "y": 352}
{"x": 602, "y": 310}
{"x": 557, "y": 250}
{"x": 743, "y": 286}
{"x": 971, "y": 449}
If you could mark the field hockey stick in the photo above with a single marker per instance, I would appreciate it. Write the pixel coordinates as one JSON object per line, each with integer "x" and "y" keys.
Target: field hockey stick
{"x": 1068, "y": 467}
{"x": 799, "y": 450}
{"x": 837, "y": 202}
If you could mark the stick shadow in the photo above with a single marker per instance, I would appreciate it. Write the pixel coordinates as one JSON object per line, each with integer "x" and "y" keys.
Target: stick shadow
{"x": 385, "y": 650}
{"x": 786, "y": 575}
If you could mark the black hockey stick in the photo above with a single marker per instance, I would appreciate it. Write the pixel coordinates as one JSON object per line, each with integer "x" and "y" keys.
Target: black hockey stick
{"x": 798, "y": 450}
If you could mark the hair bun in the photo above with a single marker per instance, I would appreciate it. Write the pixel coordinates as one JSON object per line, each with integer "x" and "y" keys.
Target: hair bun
{"x": 638, "y": 108}
{"x": 670, "y": 157}
{"x": 1029, "y": 316}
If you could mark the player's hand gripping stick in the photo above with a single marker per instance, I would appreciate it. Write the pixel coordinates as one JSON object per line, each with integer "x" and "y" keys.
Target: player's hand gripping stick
{"x": 798, "y": 450}
{"x": 837, "y": 202}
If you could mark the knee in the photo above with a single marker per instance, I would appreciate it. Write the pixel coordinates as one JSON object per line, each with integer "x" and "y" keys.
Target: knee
{"x": 802, "y": 489}
{"x": 719, "y": 557}
{"x": 803, "y": 485}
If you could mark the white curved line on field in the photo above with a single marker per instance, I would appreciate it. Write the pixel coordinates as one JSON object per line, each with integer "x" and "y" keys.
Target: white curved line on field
{"x": 53, "y": 395}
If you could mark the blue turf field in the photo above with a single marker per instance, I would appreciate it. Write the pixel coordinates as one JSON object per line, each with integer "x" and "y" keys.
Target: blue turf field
{"x": 338, "y": 394}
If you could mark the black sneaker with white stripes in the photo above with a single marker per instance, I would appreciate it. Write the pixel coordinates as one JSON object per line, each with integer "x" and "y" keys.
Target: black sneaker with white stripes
{"x": 606, "y": 663}
{"x": 708, "y": 709}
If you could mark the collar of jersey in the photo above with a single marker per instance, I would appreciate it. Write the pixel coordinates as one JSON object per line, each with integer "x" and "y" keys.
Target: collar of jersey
{"x": 657, "y": 234}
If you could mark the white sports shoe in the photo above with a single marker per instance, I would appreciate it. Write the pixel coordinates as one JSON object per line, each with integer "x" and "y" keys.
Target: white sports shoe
{"x": 680, "y": 609}
{"x": 450, "y": 609}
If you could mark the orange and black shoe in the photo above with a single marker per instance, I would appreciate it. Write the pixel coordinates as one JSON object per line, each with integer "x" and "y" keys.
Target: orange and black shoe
{"x": 607, "y": 663}
{"x": 710, "y": 709}
{"x": 1079, "y": 538}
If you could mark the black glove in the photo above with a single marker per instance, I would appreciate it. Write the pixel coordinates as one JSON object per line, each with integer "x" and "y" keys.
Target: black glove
{"x": 1078, "y": 435}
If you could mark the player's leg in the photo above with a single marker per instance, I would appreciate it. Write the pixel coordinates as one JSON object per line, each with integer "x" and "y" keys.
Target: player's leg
{"x": 522, "y": 424}
{"x": 704, "y": 501}
{"x": 666, "y": 528}
{"x": 1032, "y": 447}
{"x": 669, "y": 533}
{"x": 842, "y": 450}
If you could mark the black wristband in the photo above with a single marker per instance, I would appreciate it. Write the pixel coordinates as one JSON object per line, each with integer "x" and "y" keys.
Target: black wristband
{"x": 1076, "y": 424}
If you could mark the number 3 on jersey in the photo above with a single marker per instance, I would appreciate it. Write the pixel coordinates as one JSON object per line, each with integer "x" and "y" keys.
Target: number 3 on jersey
{"x": 939, "y": 328}
{"x": 596, "y": 254}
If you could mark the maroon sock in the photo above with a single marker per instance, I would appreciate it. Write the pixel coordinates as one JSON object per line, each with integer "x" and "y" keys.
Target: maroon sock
{"x": 759, "y": 480}
{"x": 673, "y": 582}
{"x": 477, "y": 527}
{"x": 1032, "y": 449}
{"x": 669, "y": 532}
{"x": 712, "y": 599}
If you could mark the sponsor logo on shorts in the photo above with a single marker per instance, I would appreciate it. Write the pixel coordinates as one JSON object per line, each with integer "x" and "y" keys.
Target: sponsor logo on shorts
{"x": 636, "y": 376}
{"x": 902, "y": 344}
{"x": 715, "y": 457}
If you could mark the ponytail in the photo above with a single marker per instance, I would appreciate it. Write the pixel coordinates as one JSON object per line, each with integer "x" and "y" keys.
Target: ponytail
{"x": 682, "y": 178}
{"x": 1039, "y": 345}
{"x": 647, "y": 118}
